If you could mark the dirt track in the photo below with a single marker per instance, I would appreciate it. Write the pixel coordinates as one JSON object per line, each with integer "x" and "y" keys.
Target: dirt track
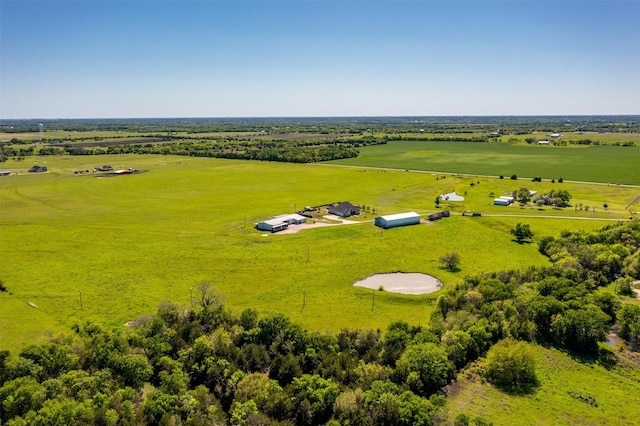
{"x": 294, "y": 229}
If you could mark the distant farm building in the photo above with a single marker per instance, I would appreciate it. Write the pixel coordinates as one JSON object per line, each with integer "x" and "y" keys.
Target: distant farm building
{"x": 123, "y": 172}
{"x": 344, "y": 209}
{"x": 554, "y": 135}
{"x": 38, "y": 169}
{"x": 400, "y": 219}
{"x": 543, "y": 142}
{"x": 292, "y": 219}
{"x": 105, "y": 168}
{"x": 504, "y": 201}
{"x": 5, "y": 173}
{"x": 281, "y": 222}
{"x": 272, "y": 225}
{"x": 439, "y": 215}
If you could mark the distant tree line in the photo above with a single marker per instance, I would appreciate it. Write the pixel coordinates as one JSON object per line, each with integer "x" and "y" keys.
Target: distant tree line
{"x": 479, "y": 138}
{"x": 503, "y": 125}
{"x": 297, "y": 151}
{"x": 7, "y": 151}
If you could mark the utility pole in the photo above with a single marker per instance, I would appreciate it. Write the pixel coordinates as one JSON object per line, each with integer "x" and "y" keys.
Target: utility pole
{"x": 373, "y": 298}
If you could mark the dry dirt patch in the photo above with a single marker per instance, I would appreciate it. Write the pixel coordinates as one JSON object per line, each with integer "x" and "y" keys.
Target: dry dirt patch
{"x": 335, "y": 221}
{"x": 401, "y": 282}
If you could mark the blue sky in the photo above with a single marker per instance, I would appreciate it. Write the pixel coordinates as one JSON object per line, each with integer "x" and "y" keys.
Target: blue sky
{"x": 143, "y": 58}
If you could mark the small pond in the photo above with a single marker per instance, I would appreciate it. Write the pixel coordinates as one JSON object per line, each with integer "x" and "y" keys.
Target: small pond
{"x": 401, "y": 282}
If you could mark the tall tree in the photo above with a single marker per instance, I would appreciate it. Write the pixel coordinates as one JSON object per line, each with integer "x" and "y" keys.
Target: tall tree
{"x": 522, "y": 232}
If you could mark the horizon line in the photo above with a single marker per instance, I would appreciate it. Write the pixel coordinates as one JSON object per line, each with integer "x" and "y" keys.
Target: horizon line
{"x": 256, "y": 117}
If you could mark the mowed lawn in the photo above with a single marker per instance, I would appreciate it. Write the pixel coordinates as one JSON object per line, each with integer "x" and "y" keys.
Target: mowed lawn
{"x": 124, "y": 244}
{"x": 606, "y": 164}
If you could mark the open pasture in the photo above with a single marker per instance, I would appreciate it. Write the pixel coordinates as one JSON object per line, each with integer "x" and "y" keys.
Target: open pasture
{"x": 125, "y": 244}
{"x": 52, "y": 134}
{"x": 602, "y": 138}
{"x": 605, "y": 164}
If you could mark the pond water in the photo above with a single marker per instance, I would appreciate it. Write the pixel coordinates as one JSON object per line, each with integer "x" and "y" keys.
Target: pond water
{"x": 401, "y": 282}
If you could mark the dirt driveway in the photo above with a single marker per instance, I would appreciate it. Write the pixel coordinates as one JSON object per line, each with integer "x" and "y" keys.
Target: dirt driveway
{"x": 336, "y": 221}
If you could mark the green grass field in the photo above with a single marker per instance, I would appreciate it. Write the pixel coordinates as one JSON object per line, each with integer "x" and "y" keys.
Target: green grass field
{"x": 605, "y": 164}
{"x": 127, "y": 243}
{"x": 563, "y": 379}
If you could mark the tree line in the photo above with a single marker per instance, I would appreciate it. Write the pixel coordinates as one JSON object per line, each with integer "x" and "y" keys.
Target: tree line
{"x": 503, "y": 125}
{"x": 207, "y": 364}
{"x": 306, "y": 151}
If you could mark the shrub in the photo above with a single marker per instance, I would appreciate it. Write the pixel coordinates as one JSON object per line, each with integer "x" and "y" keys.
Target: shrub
{"x": 451, "y": 261}
{"x": 624, "y": 286}
{"x": 511, "y": 366}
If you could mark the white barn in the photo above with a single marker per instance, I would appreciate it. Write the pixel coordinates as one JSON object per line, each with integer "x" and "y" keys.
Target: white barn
{"x": 272, "y": 225}
{"x": 505, "y": 200}
{"x": 399, "y": 219}
{"x": 292, "y": 219}
{"x": 281, "y": 222}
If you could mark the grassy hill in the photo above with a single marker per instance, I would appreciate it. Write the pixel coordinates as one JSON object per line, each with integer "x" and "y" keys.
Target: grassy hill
{"x": 125, "y": 244}
{"x": 572, "y": 391}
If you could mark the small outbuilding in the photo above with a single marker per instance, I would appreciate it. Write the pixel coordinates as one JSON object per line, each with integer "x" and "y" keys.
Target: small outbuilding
{"x": 5, "y": 173}
{"x": 272, "y": 225}
{"x": 505, "y": 200}
{"x": 281, "y": 222}
{"x": 291, "y": 219}
{"x": 123, "y": 172}
{"x": 439, "y": 215}
{"x": 400, "y": 219}
{"x": 344, "y": 209}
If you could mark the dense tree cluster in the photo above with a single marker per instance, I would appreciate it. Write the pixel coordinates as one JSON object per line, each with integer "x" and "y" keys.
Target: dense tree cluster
{"x": 555, "y": 197}
{"x": 306, "y": 151}
{"x": 478, "y": 138}
{"x": 595, "y": 142}
{"x": 12, "y": 151}
{"x": 208, "y": 365}
{"x": 557, "y": 304}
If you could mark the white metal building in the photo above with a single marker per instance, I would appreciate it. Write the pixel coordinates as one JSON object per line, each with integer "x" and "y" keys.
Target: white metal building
{"x": 400, "y": 219}
{"x": 281, "y": 222}
{"x": 272, "y": 225}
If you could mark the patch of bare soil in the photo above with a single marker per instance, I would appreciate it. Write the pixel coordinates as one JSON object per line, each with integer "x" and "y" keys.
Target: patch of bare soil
{"x": 331, "y": 221}
{"x": 401, "y": 282}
